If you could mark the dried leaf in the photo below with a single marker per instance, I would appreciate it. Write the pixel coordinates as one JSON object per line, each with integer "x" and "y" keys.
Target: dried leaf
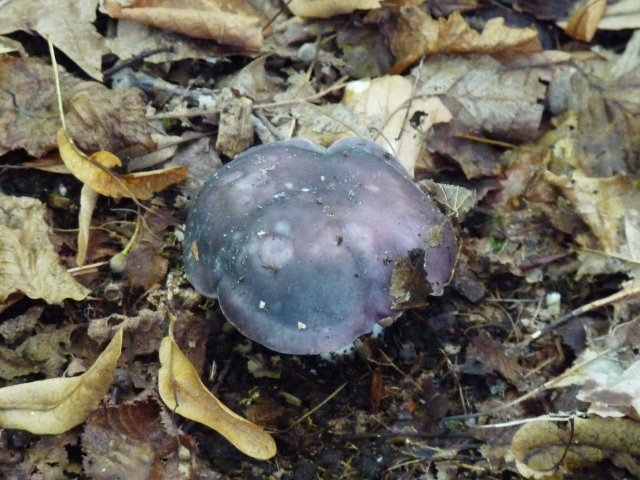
{"x": 56, "y": 405}
{"x": 65, "y": 23}
{"x": 93, "y": 171}
{"x": 136, "y": 441}
{"x": 455, "y": 200}
{"x": 329, "y": 8}
{"x": 583, "y": 23}
{"x": 229, "y": 23}
{"x": 113, "y": 120}
{"x": 621, "y": 15}
{"x": 390, "y": 107}
{"x": 27, "y": 105}
{"x": 418, "y": 34}
{"x": 182, "y": 391}
{"x": 28, "y": 263}
{"x": 540, "y": 447}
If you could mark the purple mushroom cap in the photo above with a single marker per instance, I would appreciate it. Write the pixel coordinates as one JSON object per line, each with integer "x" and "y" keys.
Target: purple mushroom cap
{"x": 298, "y": 242}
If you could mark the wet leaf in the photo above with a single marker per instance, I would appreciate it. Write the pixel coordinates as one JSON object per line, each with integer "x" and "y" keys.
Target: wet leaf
{"x": 56, "y": 405}
{"x": 182, "y": 391}
{"x": 28, "y": 263}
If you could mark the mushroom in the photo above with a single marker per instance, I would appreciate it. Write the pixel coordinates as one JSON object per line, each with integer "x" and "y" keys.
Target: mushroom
{"x": 298, "y": 242}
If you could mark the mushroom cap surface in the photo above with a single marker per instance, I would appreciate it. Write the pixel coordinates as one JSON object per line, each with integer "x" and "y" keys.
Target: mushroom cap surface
{"x": 298, "y": 242}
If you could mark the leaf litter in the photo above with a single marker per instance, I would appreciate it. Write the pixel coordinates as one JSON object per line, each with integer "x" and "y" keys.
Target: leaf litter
{"x": 526, "y": 138}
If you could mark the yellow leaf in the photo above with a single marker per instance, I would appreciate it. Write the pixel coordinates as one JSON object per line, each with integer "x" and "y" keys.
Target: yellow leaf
{"x": 56, "y": 405}
{"x": 94, "y": 172}
{"x": 182, "y": 391}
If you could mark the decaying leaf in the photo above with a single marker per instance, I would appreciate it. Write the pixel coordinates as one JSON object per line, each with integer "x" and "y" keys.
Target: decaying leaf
{"x": 329, "y": 8}
{"x": 65, "y": 24}
{"x": 110, "y": 119}
{"x": 408, "y": 288}
{"x": 182, "y": 391}
{"x": 487, "y": 97}
{"x": 28, "y": 104}
{"x": 419, "y": 34}
{"x": 56, "y": 405}
{"x": 401, "y": 122}
{"x": 136, "y": 440}
{"x": 454, "y": 199}
{"x": 229, "y": 23}
{"x": 611, "y": 208}
{"x": 28, "y": 263}
{"x": 544, "y": 448}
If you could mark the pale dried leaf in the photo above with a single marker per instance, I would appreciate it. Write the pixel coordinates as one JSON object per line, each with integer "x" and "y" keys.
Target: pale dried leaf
{"x": 231, "y": 23}
{"x": 621, "y": 15}
{"x": 457, "y": 201}
{"x": 388, "y": 105}
{"x": 182, "y": 391}
{"x": 329, "y": 8}
{"x": 28, "y": 262}
{"x": 56, "y": 405}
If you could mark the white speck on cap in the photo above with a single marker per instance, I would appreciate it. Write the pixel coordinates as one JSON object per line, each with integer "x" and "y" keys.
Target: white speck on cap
{"x": 302, "y": 326}
{"x": 261, "y": 305}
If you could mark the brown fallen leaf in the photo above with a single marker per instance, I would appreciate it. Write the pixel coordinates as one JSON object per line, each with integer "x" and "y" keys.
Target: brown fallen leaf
{"x": 329, "y": 8}
{"x": 94, "y": 172}
{"x": 544, "y": 448}
{"x": 182, "y": 391}
{"x": 26, "y": 107}
{"x": 419, "y": 34}
{"x": 28, "y": 263}
{"x": 56, "y": 405}
{"x": 229, "y": 23}
{"x": 136, "y": 440}
{"x": 65, "y": 23}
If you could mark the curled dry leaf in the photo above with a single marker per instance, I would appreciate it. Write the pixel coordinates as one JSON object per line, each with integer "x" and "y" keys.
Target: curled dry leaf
{"x": 28, "y": 262}
{"x": 94, "y": 171}
{"x": 418, "y": 34}
{"x": 56, "y": 405}
{"x": 229, "y": 23}
{"x": 182, "y": 391}
{"x": 329, "y": 8}
{"x": 545, "y": 448}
